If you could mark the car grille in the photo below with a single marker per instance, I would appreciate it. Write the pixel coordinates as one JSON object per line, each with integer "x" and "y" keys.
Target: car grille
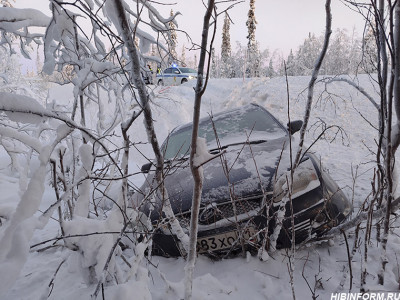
{"x": 303, "y": 231}
{"x": 215, "y": 212}
{"x": 306, "y": 226}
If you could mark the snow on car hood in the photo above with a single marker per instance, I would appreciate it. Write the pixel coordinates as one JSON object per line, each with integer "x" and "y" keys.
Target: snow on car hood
{"x": 249, "y": 169}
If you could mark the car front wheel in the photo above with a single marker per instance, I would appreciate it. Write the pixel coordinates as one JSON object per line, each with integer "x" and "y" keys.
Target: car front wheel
{"x": 184, "y": 80}
{"x": 160, "y": 82}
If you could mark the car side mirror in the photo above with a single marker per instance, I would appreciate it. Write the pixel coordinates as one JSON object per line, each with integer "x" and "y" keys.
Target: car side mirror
{"x": 146, "y": 168}
{"x": 294, "y": 126}
{"x": 177, "y": 72}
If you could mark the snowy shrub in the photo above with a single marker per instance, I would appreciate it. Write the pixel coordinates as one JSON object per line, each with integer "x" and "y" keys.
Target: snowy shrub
{"x": 76, "y": 138}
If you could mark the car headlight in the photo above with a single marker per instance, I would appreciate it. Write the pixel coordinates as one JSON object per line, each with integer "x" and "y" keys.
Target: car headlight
{"x": 192, "y": 77}
{"x": 305, "y": 179}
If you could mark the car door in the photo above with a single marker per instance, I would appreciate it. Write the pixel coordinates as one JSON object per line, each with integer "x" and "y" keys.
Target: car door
{"x": 167, "y": 76}
{"x": 175, "y": 76}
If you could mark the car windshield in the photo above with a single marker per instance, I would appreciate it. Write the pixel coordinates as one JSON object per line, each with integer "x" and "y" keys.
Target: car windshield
{"x": 233, "y": 127}
{"x": 187, "y": 70}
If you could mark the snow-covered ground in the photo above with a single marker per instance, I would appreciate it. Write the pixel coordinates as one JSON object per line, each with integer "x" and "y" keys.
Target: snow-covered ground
{"x": 318, "y": 268}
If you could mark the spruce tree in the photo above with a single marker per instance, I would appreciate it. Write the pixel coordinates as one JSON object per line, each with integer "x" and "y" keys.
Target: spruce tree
{"x": 307, "y": 54}
{"x": 183, "y": 56}
{"x": 252, "y": 45}
{"x": 290, "y": 64}
{"x": 173, "y": 40}
{"x": 226, "y": 50}
{"x": 270, "y": 70}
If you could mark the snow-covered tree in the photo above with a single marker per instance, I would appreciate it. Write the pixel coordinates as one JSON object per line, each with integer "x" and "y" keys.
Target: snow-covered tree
{"x": 370, "y": 51}
{"x": 6, "y": 3}
{"x": 226, "y": 39}
{"x": 337, "y": 59}
{"x": 307, "y": 54}
{"x": 226, "y": 51}
{"x": 238, "y": 61}
{"x": 253, "y": 55}
{"x": 183, "y": 56}
{"x": 83, "y": 144}
{"x": 9, "y": 69}
{"x": 88, "y": 157}
{"x": 270, "y": 71}
{"x": 355, "y": 54}
{"x": 173, "y": 39}
{"x": 290, "y": 64}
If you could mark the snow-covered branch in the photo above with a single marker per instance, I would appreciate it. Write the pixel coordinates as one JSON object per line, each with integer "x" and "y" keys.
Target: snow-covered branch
{"x": 14, "y": 19}
{"x": 353, "y": 84}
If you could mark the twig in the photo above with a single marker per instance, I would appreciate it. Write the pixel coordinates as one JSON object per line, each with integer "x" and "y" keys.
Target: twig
{"x": 274, "y": 276}
{"x": 51, "y": 284}
{"x": 349, "y": 259}
{"x": 110, "y": 255}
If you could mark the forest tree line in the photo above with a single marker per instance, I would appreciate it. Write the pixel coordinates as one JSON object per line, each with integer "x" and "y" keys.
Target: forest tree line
{"x": 347, "y": 54}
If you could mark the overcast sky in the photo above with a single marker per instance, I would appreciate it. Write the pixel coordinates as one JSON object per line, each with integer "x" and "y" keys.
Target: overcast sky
{"x": 282, "y": 24}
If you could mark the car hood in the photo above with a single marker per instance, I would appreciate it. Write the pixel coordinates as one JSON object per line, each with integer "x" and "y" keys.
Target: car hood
{"x": 249, "y": 169}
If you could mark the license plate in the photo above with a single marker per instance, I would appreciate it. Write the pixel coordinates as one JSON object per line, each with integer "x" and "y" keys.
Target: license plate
{"x": 223, "y": 240}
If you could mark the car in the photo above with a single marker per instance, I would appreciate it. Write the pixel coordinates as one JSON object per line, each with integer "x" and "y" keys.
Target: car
{"x": 245, "y": 202}
{"x": 175, "y": 75}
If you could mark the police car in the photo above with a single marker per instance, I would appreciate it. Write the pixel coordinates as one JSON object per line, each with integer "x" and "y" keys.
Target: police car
{"x": 175, "y": 75}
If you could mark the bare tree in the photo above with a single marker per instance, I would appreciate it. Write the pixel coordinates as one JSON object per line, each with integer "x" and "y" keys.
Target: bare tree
{"x": 194, "y": 164}
{"x": 149, "y": 126}
{"x": 314, "y": 76}
{"x": 196, "y": 157}
{"x": 383, "y": 23}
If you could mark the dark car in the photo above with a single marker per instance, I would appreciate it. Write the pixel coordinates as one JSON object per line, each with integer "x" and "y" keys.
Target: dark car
{"x": 245, "y": 200}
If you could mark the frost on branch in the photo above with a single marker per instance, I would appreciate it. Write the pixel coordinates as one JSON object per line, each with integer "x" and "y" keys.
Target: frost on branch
{"x": 84, "y": 189}
{"x": 23, "y": 109}
{"x": 15, "y": 19}
{"x": 18, "y": 22}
